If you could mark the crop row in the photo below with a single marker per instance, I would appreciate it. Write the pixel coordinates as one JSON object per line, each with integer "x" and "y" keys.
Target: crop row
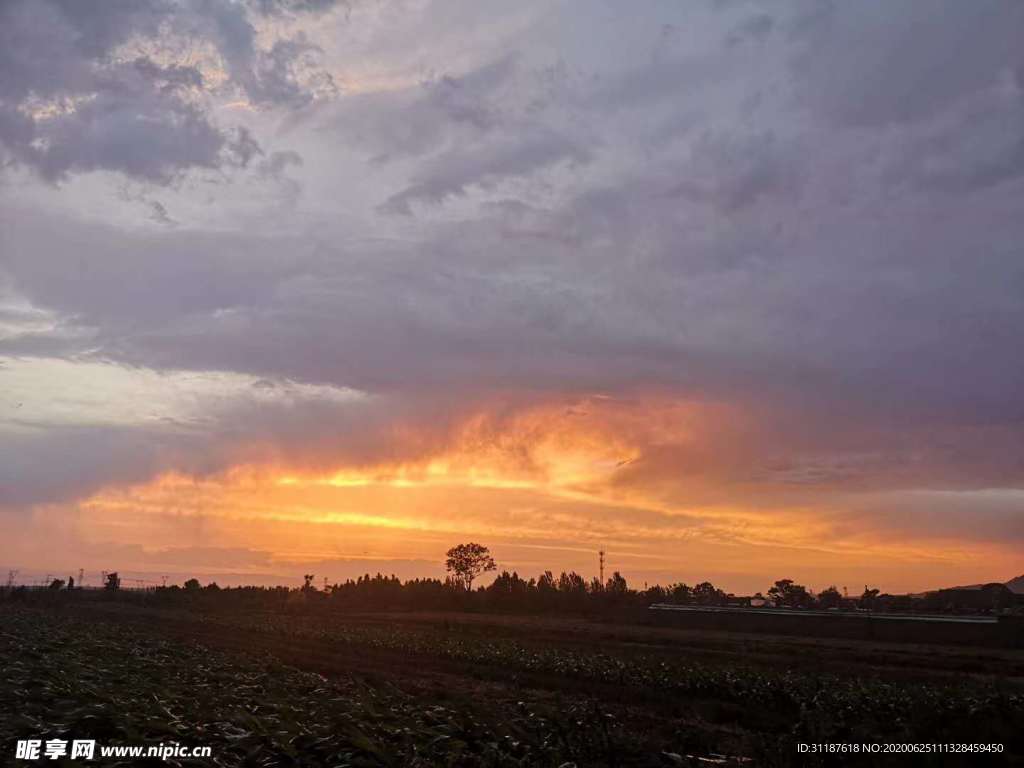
{"x": 822, "y": 707}
{"x": 71, "y": 679}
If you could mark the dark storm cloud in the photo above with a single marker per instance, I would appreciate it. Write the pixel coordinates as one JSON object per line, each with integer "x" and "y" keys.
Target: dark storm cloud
{"x": 816, "y": 215}
{"x": 877, "y": 63}
{"x": 732, "y": 172}
{"x": 280, "y": 7}
{"x": 113, "y": 281}
{"x": 71, "y": 103}
{"x": 58, "y": 464}
{"x": 451, "y": 174}
{"x": 753, "y": 29}
{"x": 268, "y": 77}
{"x": 433, "y": 115}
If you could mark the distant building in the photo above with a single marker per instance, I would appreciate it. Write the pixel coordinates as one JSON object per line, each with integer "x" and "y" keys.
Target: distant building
{"x": 982, "y": 597}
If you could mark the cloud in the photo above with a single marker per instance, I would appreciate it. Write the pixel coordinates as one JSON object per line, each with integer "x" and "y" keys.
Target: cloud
{"x": 873, "y": 64}
{"x": 112, "y": 88}
{"x": 119, "y": 424}
{"x": 803, "y": 222}
{"x": 451, "y": 174}
{"x": 732, "y": 172}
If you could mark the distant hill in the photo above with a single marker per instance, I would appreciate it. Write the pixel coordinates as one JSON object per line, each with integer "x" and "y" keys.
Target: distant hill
{"x": 1014, "y": 585}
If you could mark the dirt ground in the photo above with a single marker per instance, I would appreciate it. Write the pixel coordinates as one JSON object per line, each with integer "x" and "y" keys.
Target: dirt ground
{"x": 901, "y": 661}
{"x": 647, "y": 717}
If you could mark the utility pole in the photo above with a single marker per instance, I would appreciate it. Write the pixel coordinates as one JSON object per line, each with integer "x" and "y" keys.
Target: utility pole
{"x": 10, "y": 578}
{"x": 600, "y": 556}
{"x": 81, "y": 573}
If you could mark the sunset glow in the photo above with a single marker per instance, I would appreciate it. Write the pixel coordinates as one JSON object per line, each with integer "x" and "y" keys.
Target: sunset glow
{"x": 546, "y": 485}
{"x": 324, "y": 289}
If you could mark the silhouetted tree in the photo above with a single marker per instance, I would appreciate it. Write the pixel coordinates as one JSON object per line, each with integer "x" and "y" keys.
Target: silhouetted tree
{"x": 57, "y": 584}
{"x": 546, "y": 588}
{"x": 707, "y": 593}
{"x": 654, "y": 594}
{"x": 572, "y": 584}
{"x": 869, "y": 598}
{"x": 508, "y": 590}
{"x": 113, "y": 582}
{"x": 569, "y": 592}
{"x": 617, "y": 586}
{"x": 830, "y": 598}
{"x": 308, "y": 585}
{"x": 786, "y": 593}
{"x": 467, "y": 561}
{"x": 680, "y": 593}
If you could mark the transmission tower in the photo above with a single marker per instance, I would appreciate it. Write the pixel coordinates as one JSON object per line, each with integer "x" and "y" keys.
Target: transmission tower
{"x": 600, "y": 560}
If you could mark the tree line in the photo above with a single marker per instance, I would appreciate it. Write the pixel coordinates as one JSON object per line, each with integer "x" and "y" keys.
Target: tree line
{"x": 568, "y": 591}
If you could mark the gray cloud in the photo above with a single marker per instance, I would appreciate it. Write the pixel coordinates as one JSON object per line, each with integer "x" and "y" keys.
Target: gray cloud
{"x": 433, "y": 115}
{"x": 452, "y": 173}
{"x": 877, "y": 64}
{"x": 73, "y": 100}
{"x": 762, "y": 209}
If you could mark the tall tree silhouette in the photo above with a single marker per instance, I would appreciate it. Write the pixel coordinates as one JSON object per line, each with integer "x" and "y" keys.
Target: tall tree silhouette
{"x": 467, "y": 561}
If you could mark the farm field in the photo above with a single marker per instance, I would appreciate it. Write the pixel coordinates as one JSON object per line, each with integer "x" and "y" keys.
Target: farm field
{"x": 477, "y": 690}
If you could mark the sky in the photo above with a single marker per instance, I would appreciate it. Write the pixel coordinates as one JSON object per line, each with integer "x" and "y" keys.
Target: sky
{"x": 730, "y": 290}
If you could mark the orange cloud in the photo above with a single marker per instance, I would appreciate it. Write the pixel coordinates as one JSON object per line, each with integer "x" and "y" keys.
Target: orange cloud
{"x": 546, "y": 487}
